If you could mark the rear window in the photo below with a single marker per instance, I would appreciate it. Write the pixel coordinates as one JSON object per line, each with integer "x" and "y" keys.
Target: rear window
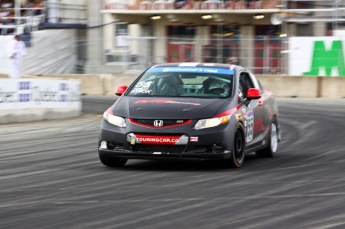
{"x": 184, "y": 82}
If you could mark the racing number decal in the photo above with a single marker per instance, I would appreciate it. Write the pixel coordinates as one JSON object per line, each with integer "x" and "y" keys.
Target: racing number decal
{"x": 250, "y": 126}
{"x": 142, "y": 87}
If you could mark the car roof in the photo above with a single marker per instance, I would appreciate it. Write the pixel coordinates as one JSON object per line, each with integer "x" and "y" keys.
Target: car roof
{"x": 199, "y": 64}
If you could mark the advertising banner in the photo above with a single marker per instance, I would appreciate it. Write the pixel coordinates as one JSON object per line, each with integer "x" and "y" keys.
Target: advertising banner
{"x": 39, "y": 93}
{"x": 316, "y": 56}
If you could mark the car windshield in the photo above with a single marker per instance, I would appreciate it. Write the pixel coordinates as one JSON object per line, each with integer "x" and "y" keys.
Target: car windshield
{"x": 197, "y": 82}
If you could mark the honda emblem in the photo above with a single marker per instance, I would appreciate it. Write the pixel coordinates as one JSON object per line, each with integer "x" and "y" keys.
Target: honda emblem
{"x": 158, "y": 123}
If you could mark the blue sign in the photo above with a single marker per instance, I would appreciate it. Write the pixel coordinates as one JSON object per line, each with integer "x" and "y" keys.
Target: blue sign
{"x": 193, "y": 70}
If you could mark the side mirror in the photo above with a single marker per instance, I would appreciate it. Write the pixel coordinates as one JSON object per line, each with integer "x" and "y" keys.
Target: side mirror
{"x": 253, "y": 93}
{"x": 120, "y": 90}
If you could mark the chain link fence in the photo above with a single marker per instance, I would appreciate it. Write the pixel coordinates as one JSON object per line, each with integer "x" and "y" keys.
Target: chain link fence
{"x": 262, "y": 55}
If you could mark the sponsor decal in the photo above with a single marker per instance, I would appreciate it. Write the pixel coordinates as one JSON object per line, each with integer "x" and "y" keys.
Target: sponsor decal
{"x": 193, "y": 69}
{"x": 157, "y": 140}
{"x": 140, "y": 91}
{"x": 317, "y": 56}
{"x": 238, "y": 116}
{"x": 165, "y": 101}
{"x": 200, "y": 70}
{"x": 24, "y": 85}
{"x": 194, "y": 139}
{"x": 244, "y": 112}
{"x": 142, "y": 88}
{"x": 24, "y": 94}
{"x": 258, "y": 125}
{"x": 250, "y": 126}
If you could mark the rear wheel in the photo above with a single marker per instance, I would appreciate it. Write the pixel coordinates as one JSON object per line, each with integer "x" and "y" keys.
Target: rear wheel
{"x": 272, "y": 146}
{"x": 237, "y": 153}
{"x": 112, "y": 161}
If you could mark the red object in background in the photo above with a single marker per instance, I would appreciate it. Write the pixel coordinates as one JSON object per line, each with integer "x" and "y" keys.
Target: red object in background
{"x": 180, "y": 52}
{"x": 269, "y": 53}
{"x": 120, "y": 90}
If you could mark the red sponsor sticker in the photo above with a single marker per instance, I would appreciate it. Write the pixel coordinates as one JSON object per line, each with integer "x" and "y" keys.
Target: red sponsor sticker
{"x": 157, "y": 140}
{"x": 194, "y": 139}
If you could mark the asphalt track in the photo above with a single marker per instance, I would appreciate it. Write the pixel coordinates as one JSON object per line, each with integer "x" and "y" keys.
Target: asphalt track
{"x": 50, "y": 177}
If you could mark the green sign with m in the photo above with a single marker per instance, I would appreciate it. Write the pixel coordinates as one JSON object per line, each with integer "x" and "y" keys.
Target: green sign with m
{"x": 327, "y": 59}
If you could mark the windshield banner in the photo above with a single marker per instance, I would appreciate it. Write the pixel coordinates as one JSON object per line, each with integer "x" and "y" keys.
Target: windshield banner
{"x": 193, "y": 70}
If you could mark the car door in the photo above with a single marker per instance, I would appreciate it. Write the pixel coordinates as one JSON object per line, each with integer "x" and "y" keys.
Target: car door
{"x": 252, "y": 112}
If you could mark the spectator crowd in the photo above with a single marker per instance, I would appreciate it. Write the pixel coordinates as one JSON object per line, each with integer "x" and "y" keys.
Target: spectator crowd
{"x": 8, "y": 18}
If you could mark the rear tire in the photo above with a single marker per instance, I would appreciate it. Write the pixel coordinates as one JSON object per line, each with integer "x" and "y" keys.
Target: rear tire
{"x": 237, "y": 152}
{"x": 272, "y": 145}
{"x": 112, "y": 161}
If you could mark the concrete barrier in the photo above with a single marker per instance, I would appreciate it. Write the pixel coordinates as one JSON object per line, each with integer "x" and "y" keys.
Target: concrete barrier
{"x": 37, "y": 114}
{"x": 332, "y": 87}
{"x": 291, "y": 86}
{"x": 281, "y": 86}
{"x": 101, "y": 84}
{"x": 111, "y": 82}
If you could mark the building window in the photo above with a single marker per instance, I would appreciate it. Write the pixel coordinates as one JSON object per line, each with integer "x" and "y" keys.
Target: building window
{"x": 181, "y": 32}
{"x": 267, "y": 49}
{"x": 224, "y": 44}
{"x": 304, "y": 30}
{"x": 267, "y": 33}
{"x": 300, "y": 4}
{"x": 181, "y": 43}
{"x": 121, "y": 35}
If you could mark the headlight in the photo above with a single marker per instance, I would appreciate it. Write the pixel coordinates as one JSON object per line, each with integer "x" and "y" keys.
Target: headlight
{"x": 113, "y": 119}
{"x": 212, "y": 122}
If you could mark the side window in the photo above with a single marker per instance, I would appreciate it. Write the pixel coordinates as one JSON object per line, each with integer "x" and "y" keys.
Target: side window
{"x": 244, "y": 84}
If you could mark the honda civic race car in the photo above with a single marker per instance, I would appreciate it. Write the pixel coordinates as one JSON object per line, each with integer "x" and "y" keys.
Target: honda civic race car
{"x": 190, "y": 111}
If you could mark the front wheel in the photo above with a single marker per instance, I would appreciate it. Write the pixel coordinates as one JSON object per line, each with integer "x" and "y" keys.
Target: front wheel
{"x": 112, "y": 161}
{"x": 272, "y": 146}
{"x": 237, "y": 153}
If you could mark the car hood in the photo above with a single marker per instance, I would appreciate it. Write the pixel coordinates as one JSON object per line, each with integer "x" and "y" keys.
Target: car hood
{"x": 167, "y": 108}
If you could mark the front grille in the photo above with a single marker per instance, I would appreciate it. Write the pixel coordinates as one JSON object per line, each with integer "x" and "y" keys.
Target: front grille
{"x": 166, "y": 122}
{"x": 160, "y": 148}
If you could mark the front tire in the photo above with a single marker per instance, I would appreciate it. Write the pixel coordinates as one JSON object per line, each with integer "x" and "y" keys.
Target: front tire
{"x": 272, "y": 146}
{"x": 237, "y": 153}
{"x": 112, "y": 161}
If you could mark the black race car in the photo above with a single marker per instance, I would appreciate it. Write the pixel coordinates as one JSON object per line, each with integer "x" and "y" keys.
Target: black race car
{"x": 201, "y": 111}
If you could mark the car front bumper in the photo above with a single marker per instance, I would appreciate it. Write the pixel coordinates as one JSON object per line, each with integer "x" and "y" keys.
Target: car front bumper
{"x": 208, "y": 144}
{"x": 164, "y": 155}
